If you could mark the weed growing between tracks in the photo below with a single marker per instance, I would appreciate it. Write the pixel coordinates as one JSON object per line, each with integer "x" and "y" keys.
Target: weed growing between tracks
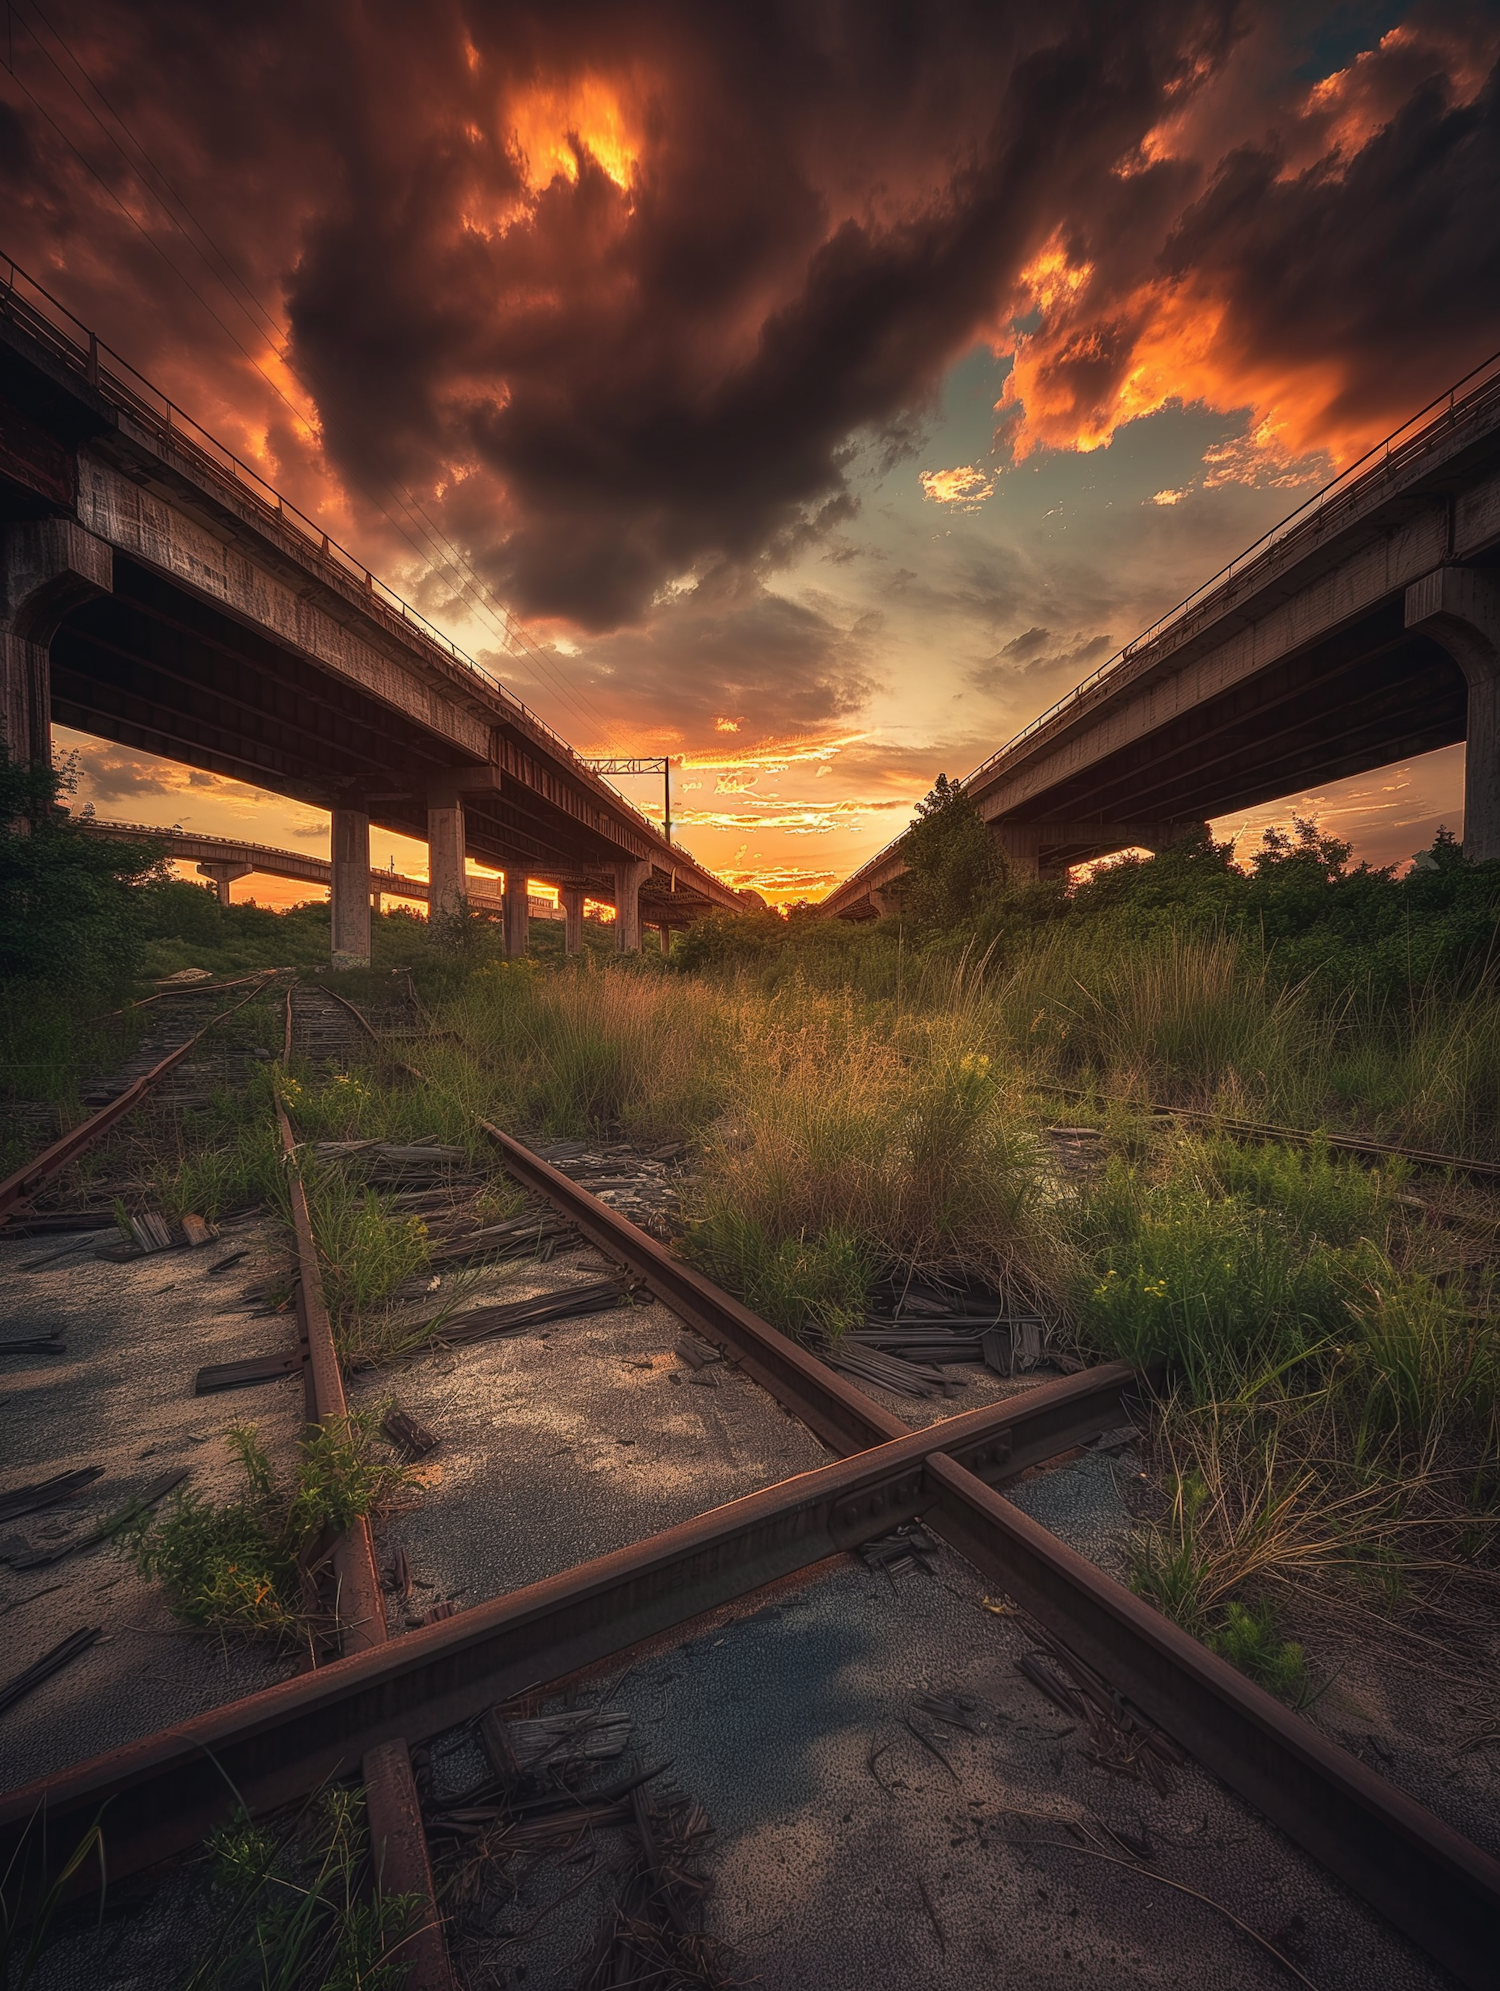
{"x": 244, "y": 1565}
{"x": 293, "y": 1909}
{"x": 1335, "y": 1407}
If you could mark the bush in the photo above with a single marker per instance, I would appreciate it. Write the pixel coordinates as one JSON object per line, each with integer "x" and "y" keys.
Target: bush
{"x": 952, "y": 863}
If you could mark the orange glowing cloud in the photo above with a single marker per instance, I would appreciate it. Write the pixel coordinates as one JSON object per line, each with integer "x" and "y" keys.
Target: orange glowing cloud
{"x": 551, "y": 121}
{"x": 966, "y": 486}
{"x": 1170, "y": 342}
{"x": 773, "y": 756}
{"x": 1190, "y": 320}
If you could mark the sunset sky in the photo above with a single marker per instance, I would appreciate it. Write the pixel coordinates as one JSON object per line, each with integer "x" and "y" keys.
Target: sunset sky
{"x": 822, "y": 389}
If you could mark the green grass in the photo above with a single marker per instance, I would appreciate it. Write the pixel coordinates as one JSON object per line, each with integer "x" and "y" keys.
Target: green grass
{"x": 293, "y": 1910}
{"x": 862, "y": 1101}
{"x": 233, "y": 1565}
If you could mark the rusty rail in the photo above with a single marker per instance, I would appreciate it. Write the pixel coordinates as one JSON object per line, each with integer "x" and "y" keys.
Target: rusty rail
{"x": 165, "y": 1792}
{"x": 20, "y": 1187}
{"x": 162, "y": 1794}
{"x": 398, "y": 1844}
{"x": 1421, "y": 1875}
{"x": 1258, "y": 1130}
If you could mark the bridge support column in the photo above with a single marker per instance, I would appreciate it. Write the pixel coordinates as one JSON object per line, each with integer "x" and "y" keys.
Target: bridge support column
{"x": 664, "y": 935}
{"x": 629, "y": 878}
{"x": 349, "y": 849}
{"x": 446, "y": 887}
{"x": 572, "y": 911}
{"x": 1021, "y": 847}
{"x": 1460, "y": 609}
{"x": 47, "y": 567}
{"x": 517, "y": 914}
{"x": 224, "y": 875}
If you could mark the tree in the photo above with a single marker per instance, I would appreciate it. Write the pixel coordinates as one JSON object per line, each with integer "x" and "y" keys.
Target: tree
{"x": 952, "y": 863}
{"x": 69, "y": 918}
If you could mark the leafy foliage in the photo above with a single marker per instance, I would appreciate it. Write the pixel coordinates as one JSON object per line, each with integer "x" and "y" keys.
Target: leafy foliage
{"x": 292, "y": 1912}
{"x": 70, "y": 904}
{"x": 234, "y": 1564}
{"x": 952, "y": 865}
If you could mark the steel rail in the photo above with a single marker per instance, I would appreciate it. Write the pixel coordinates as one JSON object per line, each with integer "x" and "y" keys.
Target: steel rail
{"x": 398, "y": 1842}
{"x": 843, "y": 1417}
{"x": 1356, "y": 1144}
{"x": 1416, "y": 1871}
{"x": 161, "y": 1795}
{"x": 28, "y": 1179}
{"x": 1413, "y": 1869}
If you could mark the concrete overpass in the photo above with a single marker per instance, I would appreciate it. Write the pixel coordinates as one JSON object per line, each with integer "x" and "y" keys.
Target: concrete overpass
{"x": 1363, "y": 629}
{"x": 158, "y": 593}
{"x": 226, "y": 859}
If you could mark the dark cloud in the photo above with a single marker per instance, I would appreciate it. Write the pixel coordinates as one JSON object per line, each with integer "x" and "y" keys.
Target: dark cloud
{"x": 1326, "y": 256}
{"x": 614, "y": 290}
{"x": 612, "y": 287}
{"x": 723, "y": 649}
{"x": 1037, "y": 656}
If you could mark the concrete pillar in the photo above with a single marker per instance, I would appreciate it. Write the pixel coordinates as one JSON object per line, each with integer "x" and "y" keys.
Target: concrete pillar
{"x": 349, "y": 848}
{"x": 517, "y": 914}
{"x": 47, "y": 567}
{"x": 629, "y": 878}
{"x": 1020, "y": 846}
{"x": 446, "y": 887}
{"x": 224, "y": 875}
{"x": 572, "y": 909}
{"x": 1460, "y": 609}
{"x": 664, "y": 934}
{"x": 377, "y": 904}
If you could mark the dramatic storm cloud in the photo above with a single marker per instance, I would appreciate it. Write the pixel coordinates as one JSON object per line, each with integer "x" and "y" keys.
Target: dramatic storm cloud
{"x": 658, "y": 317}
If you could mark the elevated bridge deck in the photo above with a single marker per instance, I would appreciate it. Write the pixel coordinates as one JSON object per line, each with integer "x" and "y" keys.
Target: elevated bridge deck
{"x": 159, "y": 594}
{"x": 1362, "y": 630}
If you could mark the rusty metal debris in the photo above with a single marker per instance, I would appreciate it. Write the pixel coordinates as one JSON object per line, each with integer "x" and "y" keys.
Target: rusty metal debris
{"x": 27, "y": 1557}
{"x": 903, "y": 1549}
{"x": 1119, "y": 1739}
{"x": 238, "y": 1375}
{"x": 566, "y": 1304}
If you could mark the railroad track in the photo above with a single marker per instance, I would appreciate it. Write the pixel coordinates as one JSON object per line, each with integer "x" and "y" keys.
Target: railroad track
{"x": 1363, "y": 1145}
{"x": 153, "y": 1073}
{"x": 167, "y": 1791}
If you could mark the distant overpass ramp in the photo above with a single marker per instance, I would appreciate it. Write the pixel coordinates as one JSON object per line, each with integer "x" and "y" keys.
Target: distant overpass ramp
{"x": 225, "y": 859}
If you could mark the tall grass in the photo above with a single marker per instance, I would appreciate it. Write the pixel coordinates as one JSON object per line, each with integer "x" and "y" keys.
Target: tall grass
{"x": 293, "y": 1910}
{"x": 588, "y": 1051}
{"x": 886, "y": 1148}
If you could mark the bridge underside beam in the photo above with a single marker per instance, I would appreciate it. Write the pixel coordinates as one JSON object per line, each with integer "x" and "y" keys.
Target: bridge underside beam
{"x": 1369, "y": 696}
{"x": 155, "y": 669}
